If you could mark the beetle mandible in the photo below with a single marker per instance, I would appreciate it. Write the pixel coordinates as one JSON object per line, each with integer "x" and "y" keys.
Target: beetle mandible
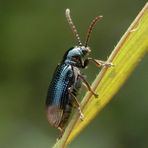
{"x": 67, "y": 79}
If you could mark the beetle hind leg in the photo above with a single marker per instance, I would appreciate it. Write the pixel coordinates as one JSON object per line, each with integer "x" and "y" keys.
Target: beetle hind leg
{"x": 81, "y": 114}
{"x": 76, "y": 104}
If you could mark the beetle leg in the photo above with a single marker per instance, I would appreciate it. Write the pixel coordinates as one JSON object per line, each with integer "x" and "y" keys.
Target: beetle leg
{"x": 61, "y": 133}
{"x": 60, "y": 129}
{"x": 75, "y": 101}
{"x": 88, "y": 86}
{"x": 81, "y": 114}
{"x": 101, "y": 63}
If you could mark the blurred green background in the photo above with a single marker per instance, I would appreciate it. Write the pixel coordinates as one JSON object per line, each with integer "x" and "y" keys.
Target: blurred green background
{"x": 34, "y": 35}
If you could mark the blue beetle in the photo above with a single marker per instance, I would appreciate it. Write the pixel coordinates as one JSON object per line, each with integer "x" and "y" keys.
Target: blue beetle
{"x": 67, "y": 79}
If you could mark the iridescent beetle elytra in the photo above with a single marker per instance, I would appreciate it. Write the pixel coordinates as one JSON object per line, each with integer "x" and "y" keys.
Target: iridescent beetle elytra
{"x": 67, "y": 79}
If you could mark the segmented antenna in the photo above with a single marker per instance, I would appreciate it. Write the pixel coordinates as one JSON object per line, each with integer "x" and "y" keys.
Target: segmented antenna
{"x": 93, "y": 23}
{"x": 74, "y": 30}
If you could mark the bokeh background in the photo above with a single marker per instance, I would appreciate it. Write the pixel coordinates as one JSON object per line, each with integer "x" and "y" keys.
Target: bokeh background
{"x": 34, "y": 35}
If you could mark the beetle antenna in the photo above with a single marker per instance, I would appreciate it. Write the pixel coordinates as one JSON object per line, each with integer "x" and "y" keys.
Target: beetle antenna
{"x": 74, "y": 30}
{"x": 90, "y": 28}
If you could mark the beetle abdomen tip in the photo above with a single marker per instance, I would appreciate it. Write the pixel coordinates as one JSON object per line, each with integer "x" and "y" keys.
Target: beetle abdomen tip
{"x": 54, "y": 115}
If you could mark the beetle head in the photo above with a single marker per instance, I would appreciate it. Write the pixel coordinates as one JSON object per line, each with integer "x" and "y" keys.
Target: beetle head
{"x": 76, "y": 56}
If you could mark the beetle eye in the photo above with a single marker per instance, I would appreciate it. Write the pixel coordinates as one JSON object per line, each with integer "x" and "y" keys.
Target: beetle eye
{"x": 75, "y": 58}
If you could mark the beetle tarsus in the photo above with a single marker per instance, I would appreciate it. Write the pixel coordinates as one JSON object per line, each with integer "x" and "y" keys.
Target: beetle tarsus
{"x": 81, "y": 114}
{"x": 107, "y": 64}
{"x": 101, "y": 63}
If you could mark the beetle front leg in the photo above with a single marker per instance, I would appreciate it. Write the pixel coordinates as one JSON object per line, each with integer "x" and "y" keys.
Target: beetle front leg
{"x": 101, "y": 63}
{"x": 88, "y": 85}
{"x": 76, "y": 103}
